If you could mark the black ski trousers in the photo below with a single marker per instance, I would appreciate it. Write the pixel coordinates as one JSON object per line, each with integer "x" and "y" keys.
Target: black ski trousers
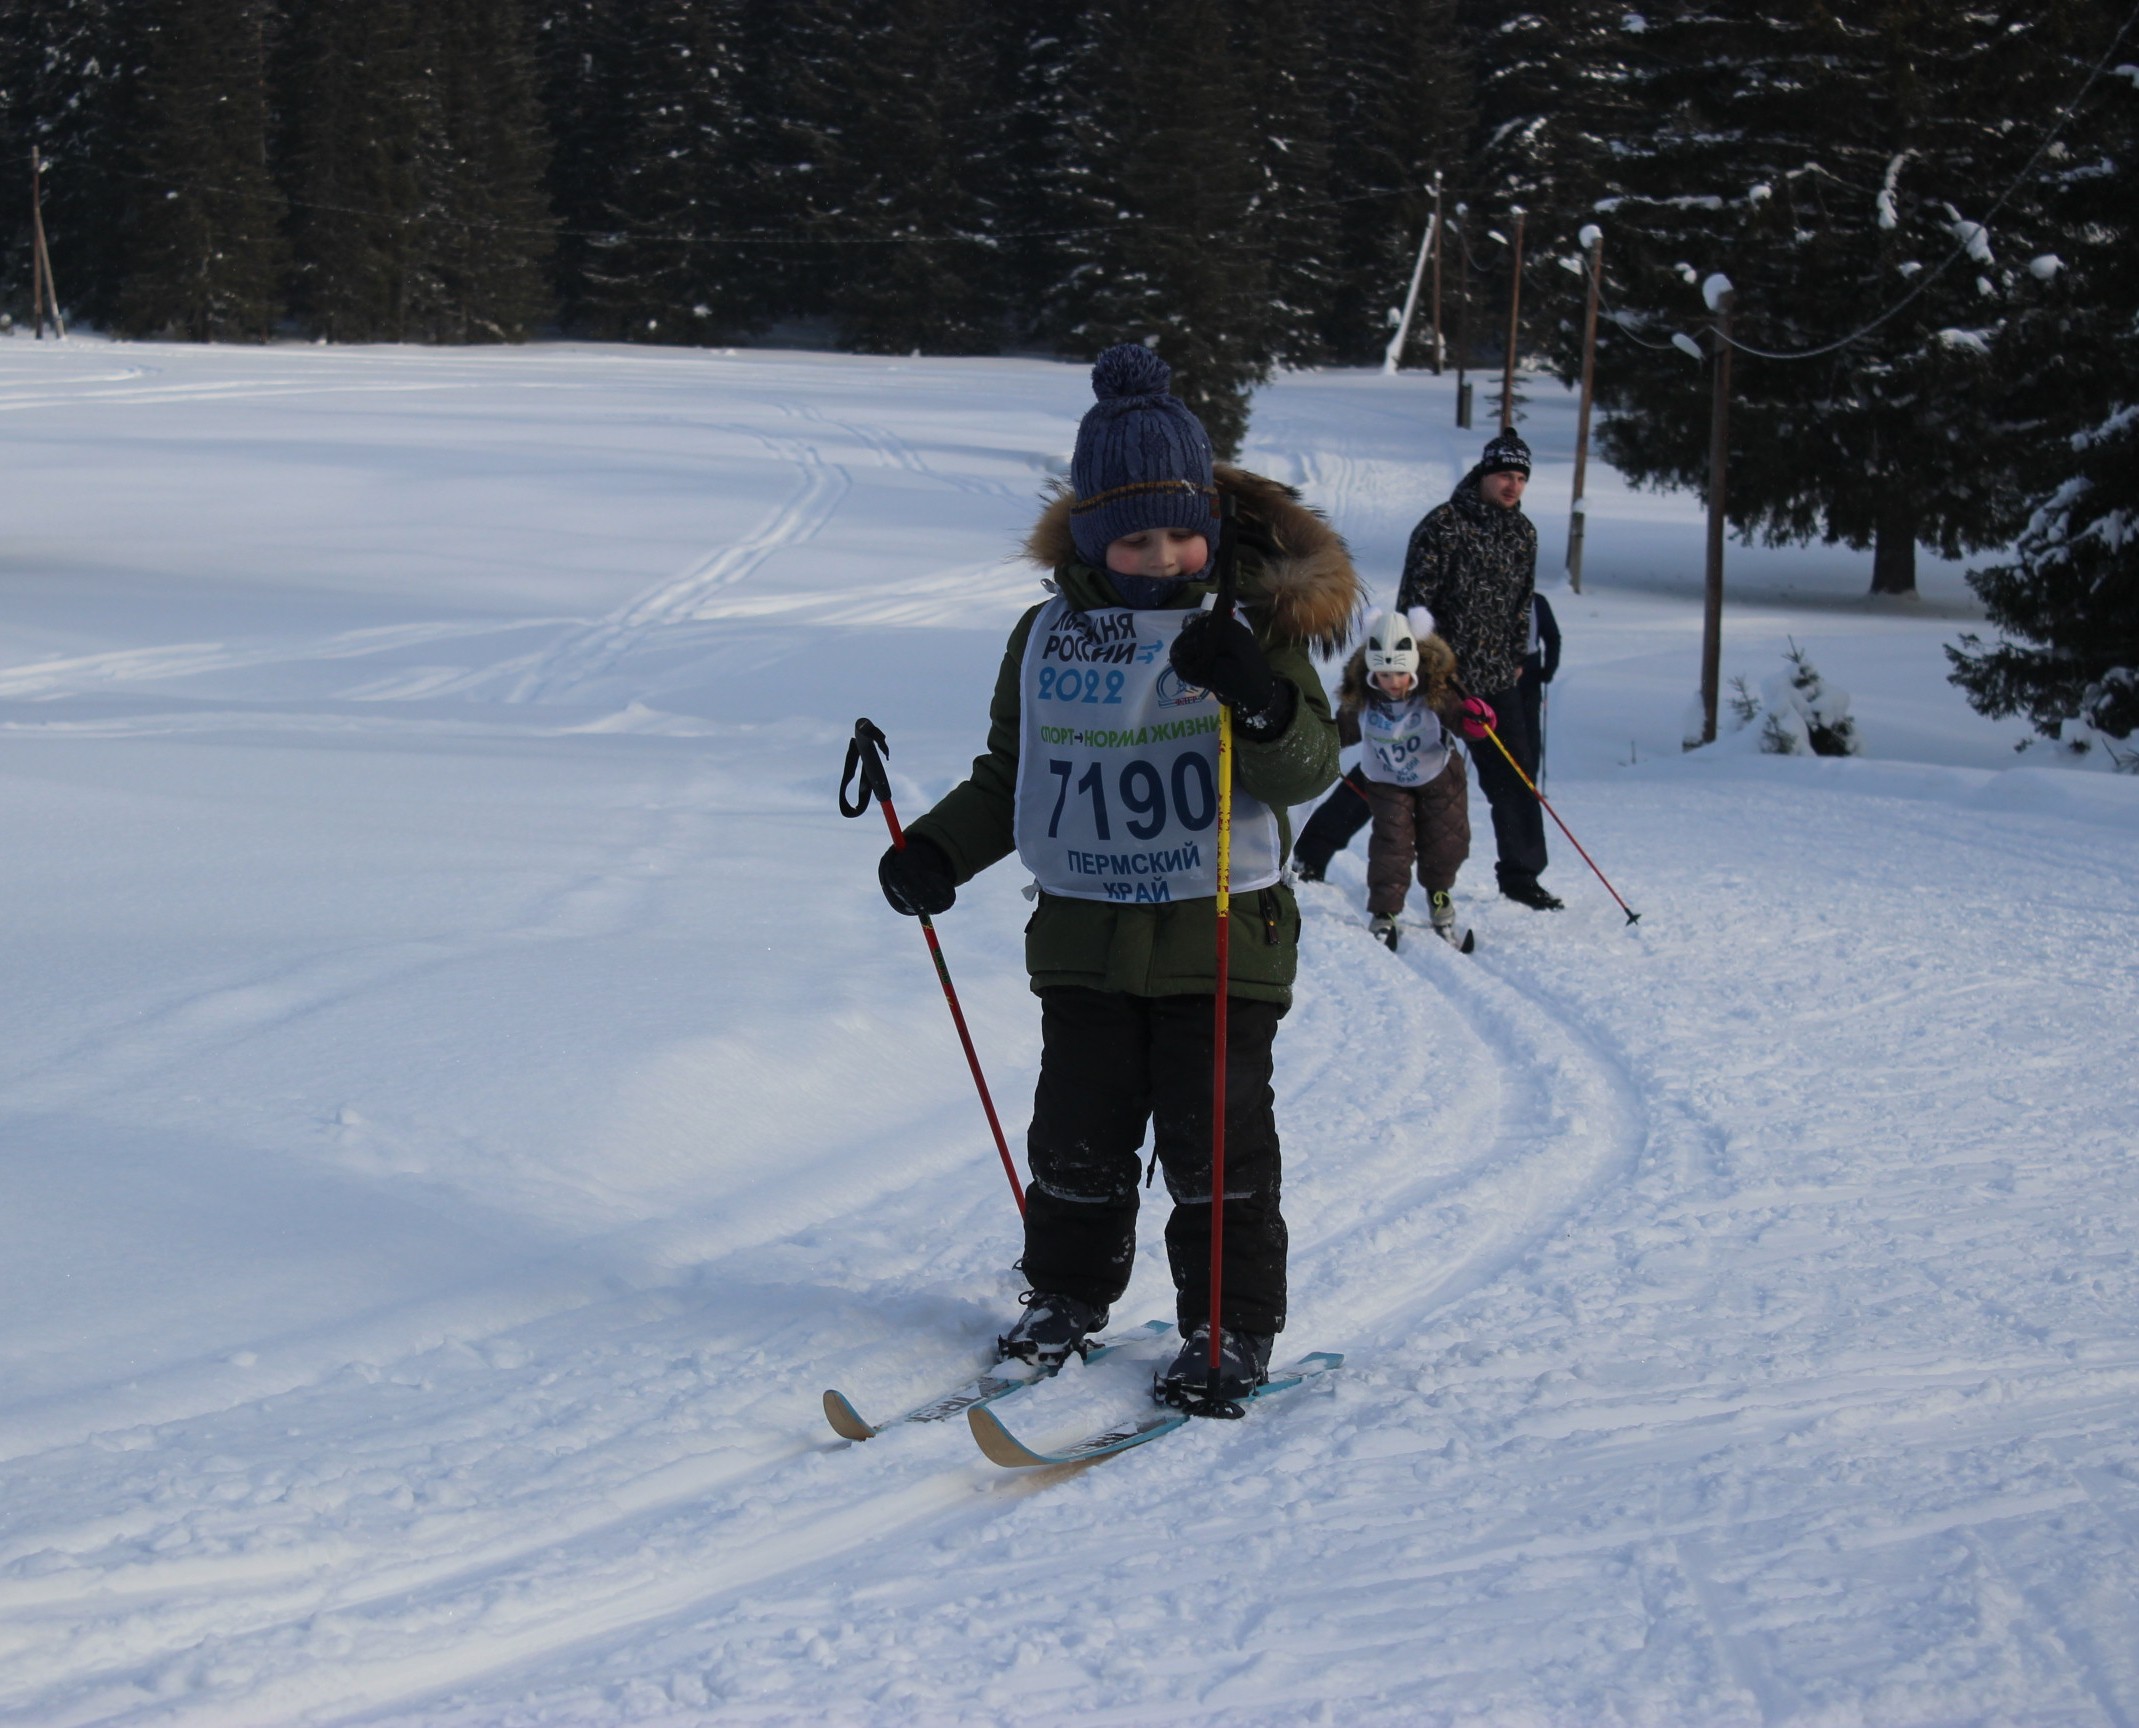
{"x": 1109, "y": 1064}
{"x": 1336, "y": 819}
{"x": 1518, "y": 818}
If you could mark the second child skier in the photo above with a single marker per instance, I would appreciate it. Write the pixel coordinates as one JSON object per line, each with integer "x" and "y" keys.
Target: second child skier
{"x": 1396, "y": 700}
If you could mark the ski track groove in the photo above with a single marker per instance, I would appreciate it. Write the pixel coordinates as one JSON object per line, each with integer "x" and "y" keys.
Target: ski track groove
{"x": 1466, "y": 1182}
{"x": 405, "y": 1624}
{"x": 595, "y": 651}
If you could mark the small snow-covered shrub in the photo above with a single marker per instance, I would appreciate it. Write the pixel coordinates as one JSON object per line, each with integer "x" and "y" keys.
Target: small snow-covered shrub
{"x": 1795, "y": 713}
{"x": 1807, "y": 711}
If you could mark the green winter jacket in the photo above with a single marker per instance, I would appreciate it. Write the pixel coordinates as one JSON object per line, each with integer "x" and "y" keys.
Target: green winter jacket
{"x": 1300, "y": 593}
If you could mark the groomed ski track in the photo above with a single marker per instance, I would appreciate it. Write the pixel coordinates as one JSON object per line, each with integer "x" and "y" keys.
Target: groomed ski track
{"x": 1698, "y": 1367}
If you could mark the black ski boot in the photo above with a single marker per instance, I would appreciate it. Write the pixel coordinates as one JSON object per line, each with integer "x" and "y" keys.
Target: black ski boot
{"x": 1529, "y": 891}
{"x": 1050, "y": 1328}
{"x": 1243, "y": 1365}
{"x": 1385, "y": 930}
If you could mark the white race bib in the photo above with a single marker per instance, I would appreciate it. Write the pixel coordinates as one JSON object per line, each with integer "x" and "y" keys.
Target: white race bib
{"x": 1401, "y": 744}
{"x": 1117, "y": 789}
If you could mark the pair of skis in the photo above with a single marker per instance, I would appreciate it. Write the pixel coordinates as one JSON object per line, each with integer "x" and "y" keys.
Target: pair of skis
{"x": 974, "y": 1398}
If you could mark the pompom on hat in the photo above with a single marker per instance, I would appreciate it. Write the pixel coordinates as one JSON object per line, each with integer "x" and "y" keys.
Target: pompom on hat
{"x": 1143, "y": 459}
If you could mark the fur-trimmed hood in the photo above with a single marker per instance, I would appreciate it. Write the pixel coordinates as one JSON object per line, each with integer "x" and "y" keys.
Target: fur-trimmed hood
{"x": 1293, "y": 565}
{"x": 1437, "y": 673}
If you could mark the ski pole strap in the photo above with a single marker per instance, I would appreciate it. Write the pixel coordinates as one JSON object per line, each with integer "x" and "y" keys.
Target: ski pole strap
{"x": 866, "y": 751}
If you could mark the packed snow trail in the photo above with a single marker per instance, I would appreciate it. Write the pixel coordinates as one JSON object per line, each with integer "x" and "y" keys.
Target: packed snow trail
{"x": 464, "y": 1100}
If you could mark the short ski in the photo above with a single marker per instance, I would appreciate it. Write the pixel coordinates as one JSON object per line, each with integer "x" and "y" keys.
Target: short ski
{"x": 1005, "y": 1448}
{"x": 1463, "y": 940}
{"x": 1005, "y": 1377}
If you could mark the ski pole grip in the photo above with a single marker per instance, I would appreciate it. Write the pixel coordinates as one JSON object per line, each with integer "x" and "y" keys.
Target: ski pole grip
{"x": 865, "y": 757}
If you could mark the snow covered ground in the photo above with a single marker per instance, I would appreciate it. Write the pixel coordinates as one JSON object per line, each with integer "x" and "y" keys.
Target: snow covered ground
{"x": 462, "y": 1098}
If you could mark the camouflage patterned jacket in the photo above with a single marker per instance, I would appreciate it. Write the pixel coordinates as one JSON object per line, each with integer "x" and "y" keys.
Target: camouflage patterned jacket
{"x": 1474, "y": 566}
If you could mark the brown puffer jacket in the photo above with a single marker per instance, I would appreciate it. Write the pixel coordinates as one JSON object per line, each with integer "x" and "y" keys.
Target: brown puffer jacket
{"x": 1427, "y": 828}
{"x": 1437, "y": 672}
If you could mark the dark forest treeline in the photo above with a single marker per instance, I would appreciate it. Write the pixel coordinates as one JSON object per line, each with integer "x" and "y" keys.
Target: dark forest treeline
{"x": 1243, "y": 181}
{"x": 1926, "y": 211}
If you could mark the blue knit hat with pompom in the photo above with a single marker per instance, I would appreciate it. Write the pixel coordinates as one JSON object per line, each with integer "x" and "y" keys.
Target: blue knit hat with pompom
{"x": 1143, "y": 460}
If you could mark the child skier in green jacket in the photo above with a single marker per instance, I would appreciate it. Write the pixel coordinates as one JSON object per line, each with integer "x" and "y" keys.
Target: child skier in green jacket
{"x": 1100, "y": 773}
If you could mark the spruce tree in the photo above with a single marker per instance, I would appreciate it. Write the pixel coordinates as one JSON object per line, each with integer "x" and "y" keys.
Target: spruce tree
{"x": 202, "y": 255}
{"x": 1283, "y": 50}
{"x": 910, "y": 116}
{"x": 1159, "y": 183}
{"x": 1401, "y": 106}
{"x": 414, "y": 156}
{"x": 1834, "y": 168}
{"x": 2067, "y": 601}
{"x": 357, "y": 100}
{"x": 579, "y": 59}
{"x": 63, "y": 92}
{"x": 667, "y": 269}
{"x": 485, "y": 228}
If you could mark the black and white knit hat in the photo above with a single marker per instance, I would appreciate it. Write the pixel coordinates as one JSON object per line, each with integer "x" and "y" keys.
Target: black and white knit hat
{"x": 1506, "y": 454}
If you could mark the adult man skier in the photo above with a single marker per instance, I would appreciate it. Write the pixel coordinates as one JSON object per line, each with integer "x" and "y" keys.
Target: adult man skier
{"x": 1472, "y": 562}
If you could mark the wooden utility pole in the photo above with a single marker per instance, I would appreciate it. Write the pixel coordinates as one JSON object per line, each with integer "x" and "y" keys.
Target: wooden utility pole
{"x": 1463, "y": 317}
{"x": 42, "y": 292}
{"x": 1438, "y": 355}
{"x": 1515, "y": 312}
{"x": 1720, "y": 298}
{"x": 1576, "y": 516}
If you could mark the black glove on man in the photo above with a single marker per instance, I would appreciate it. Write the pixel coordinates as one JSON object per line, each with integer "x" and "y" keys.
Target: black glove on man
{"x": 918, "y": 879}
{"x": 1222, "y": 655}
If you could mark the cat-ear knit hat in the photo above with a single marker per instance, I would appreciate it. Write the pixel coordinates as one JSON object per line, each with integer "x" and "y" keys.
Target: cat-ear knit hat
{"x": 1143, "y": 459}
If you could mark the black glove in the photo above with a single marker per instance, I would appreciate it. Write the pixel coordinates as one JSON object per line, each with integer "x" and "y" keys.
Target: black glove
{"x": 918, "y": 880}
{"x": 1222, "y": 655}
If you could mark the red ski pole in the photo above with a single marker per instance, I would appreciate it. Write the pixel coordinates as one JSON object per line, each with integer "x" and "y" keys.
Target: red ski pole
{"x": 1633, "y": 917}
{"x": 865, "y": 752}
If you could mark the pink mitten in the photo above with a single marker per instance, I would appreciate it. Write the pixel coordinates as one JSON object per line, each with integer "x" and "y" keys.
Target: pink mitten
{"x": 1478, "y": 717}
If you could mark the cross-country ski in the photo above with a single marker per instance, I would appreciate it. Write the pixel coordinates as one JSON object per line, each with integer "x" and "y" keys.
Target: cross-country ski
{"x": 1003, "y": 1447}
{"x": 997, "y": 1382}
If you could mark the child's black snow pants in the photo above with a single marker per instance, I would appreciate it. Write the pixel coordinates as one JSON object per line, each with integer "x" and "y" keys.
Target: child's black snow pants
{"x": 1109, "y": 1064}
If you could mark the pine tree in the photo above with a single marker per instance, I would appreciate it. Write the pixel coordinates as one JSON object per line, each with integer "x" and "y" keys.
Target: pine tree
{"x": 357, "y": 101}
{"x": 1831, "y": 167}
{"x": 202, "y": 256}
{"x": 2067, "y": 601}
{"x": 2071, "y": 597}
{"x": 579, "y": 59}
{"x": 668, "y": 269}
{"x": 911, "y": 116}
{"x": 1283, "y": 49}
{"x": 1160, "y": 176}
{"x": 415, "y": 154}
{"x": 63, "y": 92}
{"x": 485, "y": 229}
{"x": 1401, "y": 103}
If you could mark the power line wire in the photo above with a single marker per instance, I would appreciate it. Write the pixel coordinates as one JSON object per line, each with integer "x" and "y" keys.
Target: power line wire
{"x": 1962, "y": 248}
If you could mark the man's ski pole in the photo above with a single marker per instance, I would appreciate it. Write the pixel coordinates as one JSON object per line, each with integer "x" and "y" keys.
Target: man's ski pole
{"x": 1213, "y": 1405}
{"x": 1633, "y": 917}
{"x": 1544, "y": 713}
{"x": 865, "y": 753}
